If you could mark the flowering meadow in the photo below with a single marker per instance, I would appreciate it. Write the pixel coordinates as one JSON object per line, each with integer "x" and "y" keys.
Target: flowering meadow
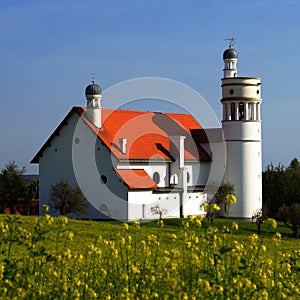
{"x": 56, "y": 258}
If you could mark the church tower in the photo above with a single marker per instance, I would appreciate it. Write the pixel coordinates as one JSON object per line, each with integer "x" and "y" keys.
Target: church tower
{"x": 241, "y": 124}
{"x": 93, "y": 95}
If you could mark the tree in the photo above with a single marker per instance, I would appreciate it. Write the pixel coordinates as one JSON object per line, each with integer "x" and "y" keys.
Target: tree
{"x": 281, "y": 186}
{"x": 160, "y": 211}
{"x": 33, "y": 194}
{"x": 65, "y": 199}
{"x": 259, "y": 217}
{"x": 294, "y": 165}
{"x": 290, "y": 215}
{"x": 13, "y": 187}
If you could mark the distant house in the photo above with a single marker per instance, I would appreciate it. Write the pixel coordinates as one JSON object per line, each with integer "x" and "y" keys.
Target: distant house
{"x": 126, "y": 162}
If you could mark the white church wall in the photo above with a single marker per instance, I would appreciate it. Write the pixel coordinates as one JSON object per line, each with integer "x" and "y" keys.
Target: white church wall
{"x": 96, "y": 175}
{"x": 192, "y": 204}
{"x": 200, "y": 173}
{"x": 57, "y": 163}
{"x": 140, "y": 203}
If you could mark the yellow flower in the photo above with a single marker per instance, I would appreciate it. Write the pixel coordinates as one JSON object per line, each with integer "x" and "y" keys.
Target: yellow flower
{"x": 253, "y": 238}
{"x": 215, "y": 207}
{"x": 173, "y": 235}
{"x": 125, "y": 226}
{"x": 45, "y": 207}
{"x": 231, "y": 198}
{"x": 206, "y": 206}
{"x": 185, "y": 224}
{"x": 198, "y": 223}
{"x": 80, "y": 258}
{"x": 160, "y": 223}
{"x": 272, "y": 222}
{"x": 124, "y": 277}
{"x": 277, "y": 237}
{"x": 235, "y": 226}
{"x": 136, "y": 225}
{"x": 64, "y": 220}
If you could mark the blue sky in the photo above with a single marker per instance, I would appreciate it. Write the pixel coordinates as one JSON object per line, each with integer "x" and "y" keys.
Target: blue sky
{"x": 49, "y": 49}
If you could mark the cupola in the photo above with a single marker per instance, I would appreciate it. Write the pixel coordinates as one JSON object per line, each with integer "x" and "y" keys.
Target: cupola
{"x": 92, "y": 91}
{"x": 230, "y": 58}
{"x": 93, "y": 94}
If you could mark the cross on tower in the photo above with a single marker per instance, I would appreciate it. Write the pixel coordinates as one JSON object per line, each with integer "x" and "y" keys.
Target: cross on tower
{"x": 93, "y": 77}
{"x": 231, "y": 41}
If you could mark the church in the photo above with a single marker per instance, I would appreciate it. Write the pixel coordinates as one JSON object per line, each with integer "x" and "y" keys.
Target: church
{"x": 132, "y": 165}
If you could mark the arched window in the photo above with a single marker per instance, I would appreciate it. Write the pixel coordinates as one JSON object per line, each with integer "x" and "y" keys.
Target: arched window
{"x": 241, "y": 111}
{"x": 174, "y": 179}
{"x": 156, "y": 177}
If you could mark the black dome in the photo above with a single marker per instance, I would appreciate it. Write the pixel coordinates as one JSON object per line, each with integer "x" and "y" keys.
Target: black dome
{"x": 230, "y": 53}
{"x": 93, "y": 89}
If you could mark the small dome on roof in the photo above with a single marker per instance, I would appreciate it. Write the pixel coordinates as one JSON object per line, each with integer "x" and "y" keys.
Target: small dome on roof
{"x": 230, "y": 53}
{"x": 93, "y": 89}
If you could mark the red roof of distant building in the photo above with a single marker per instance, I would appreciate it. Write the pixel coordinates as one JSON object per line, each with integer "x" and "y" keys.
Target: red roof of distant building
{"x": 136, "y": 179}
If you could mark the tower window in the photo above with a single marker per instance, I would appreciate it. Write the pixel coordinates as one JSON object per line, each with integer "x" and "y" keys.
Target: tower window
{"x": 241, "y": 111}
{"x": 257, "y": 92}
{"x": 231, "y": 91}
{"x": 156, "y": 177}
{"x": 232, "y": 111}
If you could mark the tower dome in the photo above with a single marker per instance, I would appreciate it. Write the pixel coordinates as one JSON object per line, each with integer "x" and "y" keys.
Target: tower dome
{"x": 230, "y": 53}
{"x": 93, "y": 90}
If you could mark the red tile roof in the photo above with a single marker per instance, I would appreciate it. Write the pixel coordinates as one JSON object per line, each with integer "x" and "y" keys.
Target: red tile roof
{"x": 147, "y": 133}
{"x": 136, "y": 179}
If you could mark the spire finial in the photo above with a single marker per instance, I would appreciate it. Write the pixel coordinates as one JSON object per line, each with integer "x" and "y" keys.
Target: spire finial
{"x": 93, "y": 77}
{"x": 231, "y": 41}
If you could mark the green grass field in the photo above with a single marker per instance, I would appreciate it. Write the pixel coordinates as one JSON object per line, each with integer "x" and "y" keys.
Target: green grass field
{"x": 60, "y": 258}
